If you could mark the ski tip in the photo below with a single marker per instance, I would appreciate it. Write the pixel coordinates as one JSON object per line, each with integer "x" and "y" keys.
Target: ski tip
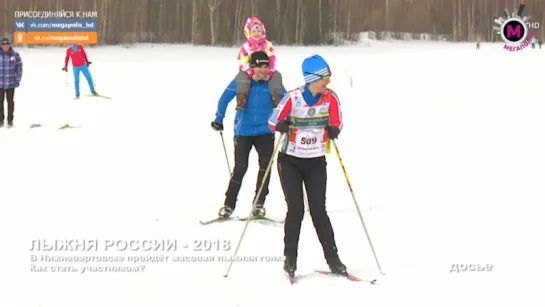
{"x": 216, "y": 220}
{"x": 292, "y": 279}
{"x": 322, "y": 272}
{"x": 68, "y": 127}
{"x": 99, "y": 96}
{"x": 352, "y": 278}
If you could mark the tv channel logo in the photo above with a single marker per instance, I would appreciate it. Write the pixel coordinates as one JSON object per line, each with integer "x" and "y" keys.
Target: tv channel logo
{"x": 515, "y": 29}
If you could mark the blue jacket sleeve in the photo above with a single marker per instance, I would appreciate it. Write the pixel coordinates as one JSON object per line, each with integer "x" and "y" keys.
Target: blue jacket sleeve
{"x": 18, "y": 68}
{"x": 225, "y": 99}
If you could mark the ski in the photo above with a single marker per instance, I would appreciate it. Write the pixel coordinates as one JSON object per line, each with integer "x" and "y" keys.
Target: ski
{"x": 219, "y": 220}
{"x": 292, "y": 279}
{"x": 347, "y": 276}
{"x": 67, "y": 126}
{"x": 13, "y": 127}
{"x": 36, "y": 125}
{"x": 244, "y": 219}
{"x": 101, "y": 96}
{"x": 261, "y": 218}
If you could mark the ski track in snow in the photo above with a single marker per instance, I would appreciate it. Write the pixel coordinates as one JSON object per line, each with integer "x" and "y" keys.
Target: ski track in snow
{"x": 445, "y": 152}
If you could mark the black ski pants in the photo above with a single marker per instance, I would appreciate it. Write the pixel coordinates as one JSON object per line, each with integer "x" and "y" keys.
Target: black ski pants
{"x": 7, "y": 94}
{"x": 312, "y": 172}
{"x": 264, "y": 145}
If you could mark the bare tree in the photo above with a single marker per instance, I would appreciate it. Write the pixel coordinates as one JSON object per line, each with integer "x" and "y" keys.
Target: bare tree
{"x": 212, "y": 6}
{"x": 195, "y": 22}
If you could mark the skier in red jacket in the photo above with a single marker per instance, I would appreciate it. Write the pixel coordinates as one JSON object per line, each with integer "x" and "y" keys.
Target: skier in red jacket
{"x": 80, "y": 63}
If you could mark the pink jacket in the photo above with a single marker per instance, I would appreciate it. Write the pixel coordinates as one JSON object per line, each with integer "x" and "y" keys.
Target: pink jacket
{"x": 251, "y": 46}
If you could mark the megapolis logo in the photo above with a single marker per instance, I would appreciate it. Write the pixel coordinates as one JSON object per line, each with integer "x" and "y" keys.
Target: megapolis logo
{"x": 515, "y": 29}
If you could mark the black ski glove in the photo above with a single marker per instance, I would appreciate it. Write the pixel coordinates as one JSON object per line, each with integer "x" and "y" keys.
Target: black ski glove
{"x": 333, "y": 132}
{"x": 89, "y": 63}
{"x": 65, "y": 69}
{"x": 283, "y": 126}
{"x": 217, "y": 126}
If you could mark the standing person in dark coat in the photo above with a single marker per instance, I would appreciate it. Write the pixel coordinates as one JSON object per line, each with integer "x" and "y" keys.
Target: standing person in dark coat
{"x": 11, "y": 72}
{"x": 310, "y": 116}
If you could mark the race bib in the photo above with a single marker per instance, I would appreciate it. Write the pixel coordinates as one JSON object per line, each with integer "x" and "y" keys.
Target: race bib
{"x": 308, "y": 143}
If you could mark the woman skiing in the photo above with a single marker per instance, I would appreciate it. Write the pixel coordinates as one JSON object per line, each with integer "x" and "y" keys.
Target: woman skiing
{"x": 310, "y": 116}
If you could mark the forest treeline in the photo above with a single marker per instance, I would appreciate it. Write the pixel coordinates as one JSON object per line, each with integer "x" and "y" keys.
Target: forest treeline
{"x": 288, "y": 22}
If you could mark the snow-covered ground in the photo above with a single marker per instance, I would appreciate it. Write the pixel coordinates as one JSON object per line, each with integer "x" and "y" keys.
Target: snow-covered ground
{"x": 444, "y": 147}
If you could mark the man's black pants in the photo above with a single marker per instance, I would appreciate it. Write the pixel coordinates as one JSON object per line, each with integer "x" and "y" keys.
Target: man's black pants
{"x": 7, "y": 93}
{"x": 312, "y": 172}
{"x": 264, "y": 145}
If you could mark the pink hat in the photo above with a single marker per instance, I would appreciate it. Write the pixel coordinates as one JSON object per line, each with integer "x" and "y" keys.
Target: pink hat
{"x": 252, "y": 22}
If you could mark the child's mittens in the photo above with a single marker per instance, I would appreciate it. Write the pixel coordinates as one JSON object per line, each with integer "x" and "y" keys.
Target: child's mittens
{"x": 271, "y": 73}
{"x": 250, "y": 73}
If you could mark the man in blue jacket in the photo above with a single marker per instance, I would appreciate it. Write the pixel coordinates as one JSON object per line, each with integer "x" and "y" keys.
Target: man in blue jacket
{"x": 251, "y": 130}
{"x": 11, "y": 72}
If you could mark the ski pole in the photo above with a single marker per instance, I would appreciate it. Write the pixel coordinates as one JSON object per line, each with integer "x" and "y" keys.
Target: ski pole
{"x": 254, "y": 203}
{"x": 225, "y": 151}
{"x": 356, "y": 204}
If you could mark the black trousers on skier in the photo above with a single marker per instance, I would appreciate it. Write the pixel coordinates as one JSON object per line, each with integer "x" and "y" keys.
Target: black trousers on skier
{"x": 312, "y": 173}
{"x": 7, "y": 94}
{"x": 264, "y": 145}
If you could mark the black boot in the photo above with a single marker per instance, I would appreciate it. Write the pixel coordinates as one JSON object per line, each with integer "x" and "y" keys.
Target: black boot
{"x": 225, "y": 212}
{"x": 290, "y": 265}
{"x": 259, "y": 211}
{"x": 336, "y": 266}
